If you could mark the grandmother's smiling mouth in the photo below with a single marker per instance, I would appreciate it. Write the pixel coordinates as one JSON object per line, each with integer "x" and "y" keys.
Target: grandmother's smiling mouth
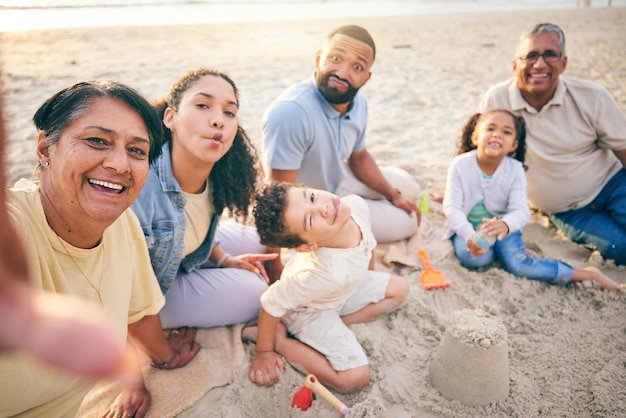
{"x": 107, "y": 185}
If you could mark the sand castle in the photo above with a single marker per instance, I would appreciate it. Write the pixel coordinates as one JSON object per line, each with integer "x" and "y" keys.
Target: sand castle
{"x": 471, "y": 364}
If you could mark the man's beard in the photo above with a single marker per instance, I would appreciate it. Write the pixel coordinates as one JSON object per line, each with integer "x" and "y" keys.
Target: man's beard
{"x": 331, "y": 94}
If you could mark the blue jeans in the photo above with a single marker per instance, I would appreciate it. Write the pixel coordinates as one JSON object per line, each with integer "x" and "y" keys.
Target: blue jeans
{"x": 601, "y": 224}
{"x": 513, "y": 257}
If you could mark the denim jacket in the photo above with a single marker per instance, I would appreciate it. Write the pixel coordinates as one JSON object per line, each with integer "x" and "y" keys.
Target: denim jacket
{"x": 159, "y": 208}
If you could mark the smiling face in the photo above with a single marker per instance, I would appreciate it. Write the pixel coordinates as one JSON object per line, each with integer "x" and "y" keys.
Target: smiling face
{"x": 204, "y": 124}
{"x": 342, "y": 68}
{"x": 96, "y": 169}
{"x": 537, "y": 81}
{"x": 495, "y": 136}
{"x": 316, "y": 216}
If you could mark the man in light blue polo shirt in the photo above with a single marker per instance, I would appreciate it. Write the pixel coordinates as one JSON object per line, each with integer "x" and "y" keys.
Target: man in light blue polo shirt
{"x": 314, "y": 133}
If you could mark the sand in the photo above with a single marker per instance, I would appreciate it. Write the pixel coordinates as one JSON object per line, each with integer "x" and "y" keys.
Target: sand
{"x": 566, "y": 346}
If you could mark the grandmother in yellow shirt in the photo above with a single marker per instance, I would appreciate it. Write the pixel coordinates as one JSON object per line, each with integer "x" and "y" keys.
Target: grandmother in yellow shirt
{"x": 44, "y": 324}
{"x": 95, "y": 143}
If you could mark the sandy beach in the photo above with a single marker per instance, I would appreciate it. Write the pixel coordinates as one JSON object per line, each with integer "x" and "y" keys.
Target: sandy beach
{"x": 566, "y": 345}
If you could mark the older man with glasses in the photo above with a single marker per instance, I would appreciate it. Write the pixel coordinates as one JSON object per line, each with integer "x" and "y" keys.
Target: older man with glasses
{"x": 576, "y": 143}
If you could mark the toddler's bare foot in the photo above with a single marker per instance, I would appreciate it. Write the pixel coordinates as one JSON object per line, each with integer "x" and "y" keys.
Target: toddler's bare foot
{"x": 249, "y": 333}
{"x": 436, "y": 195}
{"x": 605, "y": 282}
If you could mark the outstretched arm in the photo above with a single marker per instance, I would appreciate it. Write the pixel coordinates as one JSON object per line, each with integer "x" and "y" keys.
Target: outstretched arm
{"x": 13, "y": 264}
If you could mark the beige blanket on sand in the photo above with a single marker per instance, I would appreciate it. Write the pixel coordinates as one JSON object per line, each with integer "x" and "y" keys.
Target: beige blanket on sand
{"x": 173, "y": 391}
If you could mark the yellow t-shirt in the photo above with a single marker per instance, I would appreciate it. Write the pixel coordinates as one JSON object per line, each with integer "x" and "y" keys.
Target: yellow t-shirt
{"x": 119, "y": 266}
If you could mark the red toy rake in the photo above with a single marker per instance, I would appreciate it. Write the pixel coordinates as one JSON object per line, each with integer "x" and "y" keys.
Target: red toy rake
{"x": 304, "y": 397}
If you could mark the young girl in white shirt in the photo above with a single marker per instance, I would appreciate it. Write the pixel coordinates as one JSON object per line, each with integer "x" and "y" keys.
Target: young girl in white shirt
{"x": 486, "y": 192}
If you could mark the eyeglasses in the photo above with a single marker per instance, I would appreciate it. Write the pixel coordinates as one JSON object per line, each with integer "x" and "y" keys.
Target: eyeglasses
{"x": 549, "y": 56}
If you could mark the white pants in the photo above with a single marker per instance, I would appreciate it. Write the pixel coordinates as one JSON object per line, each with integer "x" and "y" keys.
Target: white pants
{"x": 325, "y": 331}
{"x": 389, "y": 223}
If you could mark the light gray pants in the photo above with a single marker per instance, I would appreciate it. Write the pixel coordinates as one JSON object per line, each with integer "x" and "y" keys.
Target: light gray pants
{"x": 211, "y": 297}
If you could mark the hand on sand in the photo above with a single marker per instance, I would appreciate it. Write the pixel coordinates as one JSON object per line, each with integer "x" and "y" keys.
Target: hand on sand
{"x": 183, "y": 344}
{"x": 266, "y": 364}
{"x": 130, "y": 403}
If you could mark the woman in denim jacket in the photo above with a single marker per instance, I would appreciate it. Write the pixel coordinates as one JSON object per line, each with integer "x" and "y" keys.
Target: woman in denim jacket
{"x": 210, "y": 276}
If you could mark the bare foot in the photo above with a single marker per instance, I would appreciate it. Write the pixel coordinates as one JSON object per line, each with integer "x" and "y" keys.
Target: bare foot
{"x": 436, "y": 195}
{"x": 249, "y": 334}
{"x": 605, "y": 282}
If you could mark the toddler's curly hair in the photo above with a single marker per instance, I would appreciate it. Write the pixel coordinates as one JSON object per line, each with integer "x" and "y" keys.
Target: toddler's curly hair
{"x": 269, "y": 216}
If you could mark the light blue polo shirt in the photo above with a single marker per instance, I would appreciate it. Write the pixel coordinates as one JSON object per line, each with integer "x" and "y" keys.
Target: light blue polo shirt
{"x": 301, "y": 131}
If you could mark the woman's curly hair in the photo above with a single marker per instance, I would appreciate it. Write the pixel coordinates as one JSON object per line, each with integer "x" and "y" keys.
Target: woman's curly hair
{"x": 465, "y": 141}
{"x": 236, "y": 176}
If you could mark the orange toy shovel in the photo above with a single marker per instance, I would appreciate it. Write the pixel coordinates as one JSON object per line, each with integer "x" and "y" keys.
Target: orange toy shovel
{"x": 431, "y": 278}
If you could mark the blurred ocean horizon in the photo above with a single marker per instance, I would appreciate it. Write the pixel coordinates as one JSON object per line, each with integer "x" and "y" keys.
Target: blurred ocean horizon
{"x": 23, "y": 15}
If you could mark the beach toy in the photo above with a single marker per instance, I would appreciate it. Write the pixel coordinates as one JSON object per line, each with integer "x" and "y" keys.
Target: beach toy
{"x": 304, "y": 397}
{"x": 483, "y": 239}
{"x": 431, "y": 278}
{"x": 471, "y": 364}
{"x": 423, "y": 206}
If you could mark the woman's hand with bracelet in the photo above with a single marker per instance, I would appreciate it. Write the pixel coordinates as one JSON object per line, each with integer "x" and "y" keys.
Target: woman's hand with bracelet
{"x": 184, "y": 348}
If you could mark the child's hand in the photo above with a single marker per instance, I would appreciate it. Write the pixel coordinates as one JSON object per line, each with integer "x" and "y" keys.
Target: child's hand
{"x": 474, "y": 248}
{"x": 496, "y": 227}
{"x": 263, "y": 370}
